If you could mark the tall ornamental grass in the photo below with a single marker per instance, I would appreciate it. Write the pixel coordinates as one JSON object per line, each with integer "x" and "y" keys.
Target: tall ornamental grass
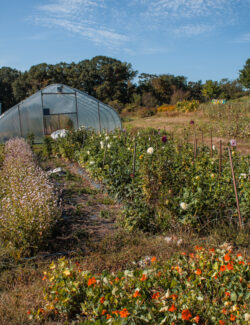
{"x": 28, "y": 201}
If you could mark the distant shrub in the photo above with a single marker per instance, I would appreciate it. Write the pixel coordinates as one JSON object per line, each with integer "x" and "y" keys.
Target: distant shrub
{"x": 187, "y": 106}
{"x": 166, "y": 108}
{"x": 28, "y": 202}
{"x": 146, "y": 112}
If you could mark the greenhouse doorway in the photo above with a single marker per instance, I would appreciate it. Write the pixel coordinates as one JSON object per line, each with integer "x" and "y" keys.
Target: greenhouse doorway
{"x": 59, "y": 111}
{"x": 59, "y": 121}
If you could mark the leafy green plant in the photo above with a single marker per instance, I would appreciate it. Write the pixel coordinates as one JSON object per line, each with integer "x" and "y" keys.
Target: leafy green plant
{"x": 207, "y": 286}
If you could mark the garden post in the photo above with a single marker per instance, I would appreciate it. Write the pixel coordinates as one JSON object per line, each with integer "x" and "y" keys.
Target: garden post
{"x": 134, "y": 158}
{"x": 235, "y": 188}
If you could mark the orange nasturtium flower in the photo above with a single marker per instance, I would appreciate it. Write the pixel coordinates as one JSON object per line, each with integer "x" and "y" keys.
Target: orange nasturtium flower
{"x": 116, "y": 312}
{"x": 227, "y": 258}
{"x": 198, "y": 272}
{"x": 186, "y": 315}
{"x": 153, "y": 259}
{"x": 232, "y": 317}
{"x": 174, "y": 296}
{"x": 104, "y": 311}
{"x": 222, "y": 322}
{"x": 230, "y": 266}
{"x": 108, "y": 316}
{"x": 224, "y": 311}
{"x": 241, "y": 262}
{"x": 124, "y": 313}
{"x": 212, "y": 250}
{"x": 102, "y": 299}
{"x": 91, "y": 281}
{"x": 197, "y": 319}
{"x": 223, "y": 268}
{"x": 136, "y": 294}
{"x": 143, "y": 278}
{"x": 227, "y": 293}
{"x": 156, "y": 295}
{"x": 172, "y": 308}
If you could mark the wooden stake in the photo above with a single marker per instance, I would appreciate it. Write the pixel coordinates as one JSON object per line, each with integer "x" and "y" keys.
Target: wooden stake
{"x": 105, "y": 151}
{"x": 211, "y": 143}
{"x": 202, "y": 138}
{"x": 134, "y": 158}
{"x": 220, "y": 158}
{"x": 235, "y": 188}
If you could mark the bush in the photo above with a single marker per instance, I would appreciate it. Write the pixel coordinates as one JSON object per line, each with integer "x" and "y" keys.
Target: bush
{"x": 166, "y": 108}
{"x": 206, "y": 287}
{"x": 28, "y": 202}
{"x": 188, "y": 106}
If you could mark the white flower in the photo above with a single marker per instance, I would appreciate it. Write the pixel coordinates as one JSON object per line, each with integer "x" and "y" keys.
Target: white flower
{"x": 213, "y": 147}
{"x": 150, "y": 150}
{"x": 101, "y": 143}
{"x": 243, "y": 175}
{"x": 212, "y": 175}
{"x": 108, "y": 146}
{"x": 168, "y": 239}
{"x": 107, "y": 138}
{"x": 91, "y": 162}
{"x": 247, "y": 317}
{"x": 179, "y": 242}
{"x": 184, "y": 205}
{"x": 88, "y": 152}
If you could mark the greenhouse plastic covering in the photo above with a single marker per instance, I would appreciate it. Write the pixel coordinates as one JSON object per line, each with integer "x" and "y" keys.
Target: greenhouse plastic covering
{"x": 56, "y": 107}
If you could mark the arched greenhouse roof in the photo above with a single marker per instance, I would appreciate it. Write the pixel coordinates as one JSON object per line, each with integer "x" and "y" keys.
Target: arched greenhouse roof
{"x": 56, "y": 107}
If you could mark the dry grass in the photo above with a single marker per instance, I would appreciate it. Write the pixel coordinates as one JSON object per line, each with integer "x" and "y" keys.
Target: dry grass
{"x": 178, "y": 123}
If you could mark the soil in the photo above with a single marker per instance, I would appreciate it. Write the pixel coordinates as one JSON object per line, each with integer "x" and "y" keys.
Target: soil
{"x": 88, "y": 213}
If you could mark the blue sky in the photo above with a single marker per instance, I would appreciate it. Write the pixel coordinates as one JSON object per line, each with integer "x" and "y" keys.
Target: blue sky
{"x": 200, "y": 39}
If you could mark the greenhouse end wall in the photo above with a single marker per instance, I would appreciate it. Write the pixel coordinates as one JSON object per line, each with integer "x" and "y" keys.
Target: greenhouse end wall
{"x": 56, "y": 107}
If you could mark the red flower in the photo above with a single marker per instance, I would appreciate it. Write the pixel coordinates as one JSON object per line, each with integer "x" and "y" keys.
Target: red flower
{"x": 91, "y": 281}
{"x": 104, "y": 311}
{"x": 143, "y": 278}
{"x": 227, "y": 293}
{"x": 212, "y": 250}
{"x": 174, "y": 296}
{"x": 186, "y": 315}
{"x": 136, "y": 294}
{"x": 172, "y": 308}
{"x": 222, "y": 268}
{"x": 197, "y": 319}
{"x": 153, "y": 259}
{"x": 230, "y": 267}
{"x": 222, "y": 322}
{"x": 108, "y": 316}
{"x": 241, "y": 262}
{"x": 124, "y": 313}
{"x": 198, "y": 272}
{"x": 232, "y": 317}
{"x": 227, "y": 258}
{"x": 156, "y": 295}
{"x": 224, "y": 311}
{"x": 102, "y": 299}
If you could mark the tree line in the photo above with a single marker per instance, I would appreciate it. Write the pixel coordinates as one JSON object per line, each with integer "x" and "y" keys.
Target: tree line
{"x": 112, "y": 82}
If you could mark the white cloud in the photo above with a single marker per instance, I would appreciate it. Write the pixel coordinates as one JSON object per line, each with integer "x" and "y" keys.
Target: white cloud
{"x": 80, "y": 17}
{"x": 186, "y": 8}
{"x": 192, "y": 30}
{"x": 243, "y": 38}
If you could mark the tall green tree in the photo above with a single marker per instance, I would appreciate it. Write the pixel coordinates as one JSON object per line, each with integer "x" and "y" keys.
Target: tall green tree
{"x": 244, "y": 76}
{"x": 7, "y": 77}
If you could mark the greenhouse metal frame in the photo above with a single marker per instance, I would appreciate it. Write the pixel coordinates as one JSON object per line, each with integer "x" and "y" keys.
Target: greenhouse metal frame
{"x": 56, "y": 107}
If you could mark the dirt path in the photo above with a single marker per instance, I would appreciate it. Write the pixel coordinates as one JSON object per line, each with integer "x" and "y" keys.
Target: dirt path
{"x": 88, "y": 213}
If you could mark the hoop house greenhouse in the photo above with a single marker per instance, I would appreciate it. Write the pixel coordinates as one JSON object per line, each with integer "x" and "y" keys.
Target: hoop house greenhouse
{"x": 56, "y": 107}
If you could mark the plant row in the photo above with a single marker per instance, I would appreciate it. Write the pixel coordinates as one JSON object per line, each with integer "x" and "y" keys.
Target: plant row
{"x": 160, "y": 183}
{"x": 29, "y": 204}
{"x": 208, "y": 286}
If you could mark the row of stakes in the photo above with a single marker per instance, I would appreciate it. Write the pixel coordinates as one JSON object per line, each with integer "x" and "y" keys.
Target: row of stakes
{"x": 195, "y": 156}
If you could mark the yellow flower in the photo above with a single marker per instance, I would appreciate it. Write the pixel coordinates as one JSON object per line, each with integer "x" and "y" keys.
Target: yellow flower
{"x": 66, "y": 272}
{"x": 141, "y": 156}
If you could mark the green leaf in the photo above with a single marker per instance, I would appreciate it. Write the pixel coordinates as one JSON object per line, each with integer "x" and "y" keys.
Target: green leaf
{"x": 233, "y": 296}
